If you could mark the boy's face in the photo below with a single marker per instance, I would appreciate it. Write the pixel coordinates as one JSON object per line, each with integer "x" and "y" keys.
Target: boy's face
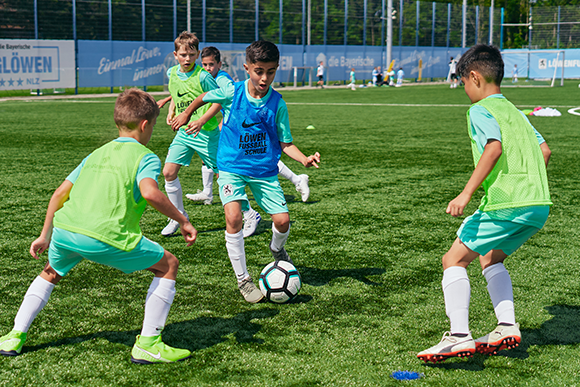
{"x": 210, "y": 65}
{"x": 261, "y": 77}
{"x": 186, "y": 56}
{"x": 148, "y": 130}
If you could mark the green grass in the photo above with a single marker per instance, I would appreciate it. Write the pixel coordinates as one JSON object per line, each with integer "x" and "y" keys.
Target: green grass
{"x": 368, "y": 245}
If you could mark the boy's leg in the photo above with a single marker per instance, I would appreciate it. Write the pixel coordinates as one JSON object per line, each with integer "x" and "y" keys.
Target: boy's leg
{"x": 149, "y": 348}
{"x": 280, "y": 233}
{"x": 457, "y": 292}
{"x": 499, "y": 286}
{"x": 174, "y": 193}
{"x": 34, "y": 300}
{"x": 300, "y": 181}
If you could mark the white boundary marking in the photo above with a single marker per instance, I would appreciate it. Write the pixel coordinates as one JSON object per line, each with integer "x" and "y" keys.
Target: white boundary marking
{"x": 573, "y": 111}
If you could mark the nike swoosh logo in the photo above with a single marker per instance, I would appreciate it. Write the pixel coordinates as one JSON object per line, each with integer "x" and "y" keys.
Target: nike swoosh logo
{"x": 154, "y": 356}
{"x": 244, "y": 125}
{"x": 180, "y": 95}
{"x": 284, "y": 203}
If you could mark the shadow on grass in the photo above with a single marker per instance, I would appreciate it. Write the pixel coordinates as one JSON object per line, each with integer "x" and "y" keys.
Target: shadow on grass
{"x": 320, "y": 277}
{"x": 562, "y": 329}
{"x": 197, "y": 334}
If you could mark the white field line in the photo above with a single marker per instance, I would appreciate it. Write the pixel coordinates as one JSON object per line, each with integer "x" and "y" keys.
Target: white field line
{"x": 406, "y": 104}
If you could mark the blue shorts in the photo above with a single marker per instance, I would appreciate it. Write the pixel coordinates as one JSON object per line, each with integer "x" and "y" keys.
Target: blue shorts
{"x": 481, "y": 234}
{"x": 266, "y": 190}
{"x": 184, "y": 146}
{"x": 68, "y": 248}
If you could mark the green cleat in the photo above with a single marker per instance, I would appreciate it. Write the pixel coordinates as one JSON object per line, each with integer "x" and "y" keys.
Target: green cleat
{"x": 11, "y": 344}
{"x": 151, "y": 350}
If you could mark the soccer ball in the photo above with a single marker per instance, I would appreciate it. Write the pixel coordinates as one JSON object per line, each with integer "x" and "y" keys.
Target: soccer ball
{"x": 280, "y": 282}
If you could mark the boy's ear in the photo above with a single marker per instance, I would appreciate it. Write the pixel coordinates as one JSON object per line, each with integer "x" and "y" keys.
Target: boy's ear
{"x": 142, "y": 125}
{"x": 246, "y": 68}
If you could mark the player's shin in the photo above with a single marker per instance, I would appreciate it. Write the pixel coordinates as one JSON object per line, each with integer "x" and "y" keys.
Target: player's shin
{"x": 457, "y": 293}
{"x": 159, "y": 299}
{"x": 34, "y": 300}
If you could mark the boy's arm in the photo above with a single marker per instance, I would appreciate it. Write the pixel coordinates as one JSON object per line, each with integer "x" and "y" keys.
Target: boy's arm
{"x": 546, "y": 152}
{"x": 171, "y": 113}
{"x": 292, "y": 150}
{"x": 150, "y": 192}
{"x": 59, "y": 197}
{"x": 184, "y": 117}
{"x": 195, "y": 126}
{"x": 491, "y": 153}
{"x": 163, "y": 101}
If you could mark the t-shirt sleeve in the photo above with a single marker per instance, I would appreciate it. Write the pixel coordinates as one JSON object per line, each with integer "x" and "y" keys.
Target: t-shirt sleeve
{"x": 74, "y": 175}
{"x": 484, "y": 126}
{"x": 223, "y": 82}
{"x": 207, "y": 82}
{"x": 538, "y": 135}
{"x": 283, "y": 123}
{"x": 150, "y": 166}
{"x": 222, "y": 95}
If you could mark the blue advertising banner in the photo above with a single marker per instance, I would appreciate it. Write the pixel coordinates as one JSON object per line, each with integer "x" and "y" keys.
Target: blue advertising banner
{"x": 542, "y": 64}
{"x": 37, "y": 64}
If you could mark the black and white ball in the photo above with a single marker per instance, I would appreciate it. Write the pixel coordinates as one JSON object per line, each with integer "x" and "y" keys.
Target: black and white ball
{"x": 280, "y": 281}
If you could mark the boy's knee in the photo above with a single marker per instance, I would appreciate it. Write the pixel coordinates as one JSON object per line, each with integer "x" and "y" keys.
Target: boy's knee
{"x": 50, "y": 275}
{"x": 170, "y": 171}
{"x": 282, "y": 223}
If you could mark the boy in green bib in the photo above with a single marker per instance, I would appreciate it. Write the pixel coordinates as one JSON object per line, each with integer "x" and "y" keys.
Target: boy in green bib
{"x": 95, "y": 215}
{"x": 510, "y": 159}
{"x": 187, "y": 80}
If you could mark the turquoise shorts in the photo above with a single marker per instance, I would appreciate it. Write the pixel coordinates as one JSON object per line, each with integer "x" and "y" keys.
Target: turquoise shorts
{"x": 266, "y": 190}
{"x": 184, "y": 146}
{"x": 68, "y": 248}
{"x": 481, "y": 234}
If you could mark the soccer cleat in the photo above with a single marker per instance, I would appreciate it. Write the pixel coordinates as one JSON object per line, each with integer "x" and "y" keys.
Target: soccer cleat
{"x": 200, "y": 196}
{"x": 250, "y": 292}
{"x": 251, "y": 224}
{"x": 502, "y": 337}
{"x": 450, "y": 346}
{"x": 171, "y": 227}
{"x": 151, "y": 350}
{"x": 11, "y": 344}
{"x": 303, "y": 188}
{"x": 281, "y": 255}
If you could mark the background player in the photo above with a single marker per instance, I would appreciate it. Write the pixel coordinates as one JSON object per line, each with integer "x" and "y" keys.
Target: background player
{"x": 320, "y": 75}
{"x": 186, "y": 81}
{"x": 96, "y": 216}
{"x": 400, "y": 75}
{"x": 453, "y": 73}
{"x": 511, "y": 159}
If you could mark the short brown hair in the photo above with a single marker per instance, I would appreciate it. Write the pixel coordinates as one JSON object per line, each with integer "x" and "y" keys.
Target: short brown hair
{"x": 262, "y": 51}
{"x": 188, "y": 39}
{"x": 132, "y": 107}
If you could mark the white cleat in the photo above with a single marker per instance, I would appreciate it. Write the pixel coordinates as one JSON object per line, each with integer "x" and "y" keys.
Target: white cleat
{"x": 171, "y": 227}
{"x": 251, "y": 224}
{"x": 303, "y": 187}
{"x": 502, "y": 337}
{"x": 200, "y": 196}
{"x": 449, "y": 346}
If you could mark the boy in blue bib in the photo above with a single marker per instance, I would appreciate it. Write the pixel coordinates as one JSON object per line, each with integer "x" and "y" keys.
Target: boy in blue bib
{"x": 255, "y": 132}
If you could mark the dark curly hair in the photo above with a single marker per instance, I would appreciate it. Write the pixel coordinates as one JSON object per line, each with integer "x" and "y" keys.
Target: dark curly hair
{"x": 484, "y": 59}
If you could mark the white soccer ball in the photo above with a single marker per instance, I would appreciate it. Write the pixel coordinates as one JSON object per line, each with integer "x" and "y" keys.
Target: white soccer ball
{"x": 280, "y": 282}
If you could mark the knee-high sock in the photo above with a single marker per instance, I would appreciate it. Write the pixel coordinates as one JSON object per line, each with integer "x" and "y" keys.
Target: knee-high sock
{"x": 159, "y": 299}
{"x": 457, "y": 292}
{"x": 499, "y": 287}
{"x": 237, "y": 254}
{"x": 207, "y": 178}
{"x": 34, "y": 300}
{"x": 278, "y": 238}
{"x": 175, "y": 194}
{"x": 287, "y": 173}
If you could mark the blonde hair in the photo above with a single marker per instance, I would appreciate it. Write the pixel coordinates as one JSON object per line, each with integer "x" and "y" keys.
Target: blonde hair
{"x": 188, "y": 39}
{"x": 132, "y": 107}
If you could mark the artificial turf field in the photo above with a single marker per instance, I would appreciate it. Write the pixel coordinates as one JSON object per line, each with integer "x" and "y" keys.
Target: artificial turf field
{"x": 368, "y": 244}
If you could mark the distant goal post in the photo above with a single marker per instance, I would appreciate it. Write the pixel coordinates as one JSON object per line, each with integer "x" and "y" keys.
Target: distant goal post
{"x": 301, "y": 74}
{"x": 535, "y": 68}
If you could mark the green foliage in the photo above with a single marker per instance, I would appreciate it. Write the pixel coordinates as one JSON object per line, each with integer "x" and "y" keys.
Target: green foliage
{"x": 368, "y": 245}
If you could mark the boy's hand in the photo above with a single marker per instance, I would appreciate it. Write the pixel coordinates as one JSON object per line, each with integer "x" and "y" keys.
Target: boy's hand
{"x": 39, "y": 246}
{"x": 456, "y": 206}
{"x": 189, "y": 233}
{"x": 179, "y": 121}
{"x": 312, "y": 160}
{"x": 170, "y": 116}
{"x": 194, "y": 127}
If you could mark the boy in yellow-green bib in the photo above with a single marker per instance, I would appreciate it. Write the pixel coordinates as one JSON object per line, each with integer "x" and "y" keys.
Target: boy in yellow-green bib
{"x": 510, "y": 159}
{"x": 95, "y": 215}
{"x": 187, "y": 80}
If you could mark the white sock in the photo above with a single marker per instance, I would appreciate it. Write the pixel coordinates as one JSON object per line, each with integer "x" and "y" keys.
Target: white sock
{"x": 457, "y": 293}
{"x": 250, "y": 213}
{"x": 237, "y": 254}
{"x": 34, "y": 300}
{"x": 499, "y": 287}
{"x": 175, "y": 194}
{"x": 278, "y": 238}
{"x": 285, "y": 172}
{"x": 159, "y": 299}
{"x": 207, "y": 178}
